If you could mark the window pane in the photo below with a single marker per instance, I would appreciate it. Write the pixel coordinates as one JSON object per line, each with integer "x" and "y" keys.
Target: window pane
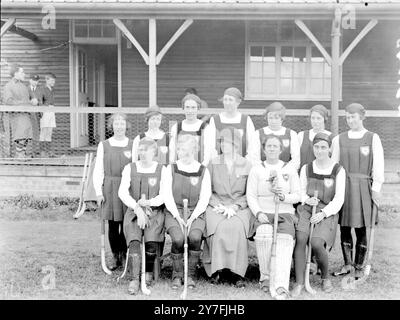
{"x": 269, "y": 86}
{"x": 299, "y": 86}
{"x": 108, "y": 31}
{"x": 299, "y": 70}
{"x": 317, "y": 70}
{"x": 256, "y": 54}
{"x": 81, "y": 31}
{"x": 269, "y": 70}
{"x": 327, "y": 70}
{"x": 95, "y": 30}
{"x": 256, "y": 69}
{"x": 315, "y": 52}
{"x": 287, "y": 53}
{"x": 286, "y": 69}
{"x": 300, "y": 53}
{"x": 269, "y": 53}
{"x": 255, "y": 85}
{"x": 327, "y": 86}
{"x": 316, "y": 86}
{"x": 286, "y": 86}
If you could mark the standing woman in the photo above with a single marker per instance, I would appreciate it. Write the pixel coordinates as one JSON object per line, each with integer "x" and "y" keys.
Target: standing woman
{"x": 274, "y": 178}
{"x": 275, "y": 115}
{"x": 138, "y": 178}
{"x": 153, "y": 118}
{"x": 329, "y": 179}
{"x": 186, "y": 179}
{"x": 228, "y": 217}
{"x": 318, "y": 119}
{"x": 194, "y": 126}
{"x": 231, "y": 119}
{"x": 113, "y": 155}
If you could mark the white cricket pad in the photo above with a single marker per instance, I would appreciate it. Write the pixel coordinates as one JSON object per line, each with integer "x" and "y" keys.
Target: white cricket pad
{"x": 263, "y": 240}
{"x": 284, "y": 251}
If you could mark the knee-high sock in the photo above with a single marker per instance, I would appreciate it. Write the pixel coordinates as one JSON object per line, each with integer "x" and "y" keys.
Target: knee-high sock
{"x": 300, "y": 256}
{"x": 284, "y": 251}
{"x": 263, "y": 240}
{"x": 318, "y": 246}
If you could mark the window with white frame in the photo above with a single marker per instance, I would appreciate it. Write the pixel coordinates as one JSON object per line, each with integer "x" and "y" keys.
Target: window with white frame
{"x": 283, "y": 64}
{"x": 82, "y": 71}
{"x": 94, "y": 31}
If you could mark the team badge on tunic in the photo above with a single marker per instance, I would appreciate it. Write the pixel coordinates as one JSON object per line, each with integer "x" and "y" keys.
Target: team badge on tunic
{"x": 194, "y": 180}
{"x": 164, "y": 149}
{"x": 328, "y": 182}
{"x": 364, "y": 150}
{"x": 128, "y": 154}
{"x": 152, "y": 181}
{"x": 286, "y": 143}
{"x": 285, "y": 176}
{"x": 241, "y": 132}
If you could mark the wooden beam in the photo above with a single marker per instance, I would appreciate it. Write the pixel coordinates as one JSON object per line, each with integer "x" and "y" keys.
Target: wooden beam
{"x": 119, "y": 67}
{"x": 335, "y": 71}
{"x": 310, "y": 35}
{"x": 357, "y": 39}
{"x": 22, "y": 32}
{"x": 5, "y": 26}
{"x": 132, "y": 39}
{"x": 152, "y": 62}
{"x": 171, "y": 41}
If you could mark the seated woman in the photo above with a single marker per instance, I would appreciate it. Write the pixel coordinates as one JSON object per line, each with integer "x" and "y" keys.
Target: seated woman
{"x": 318, "y": 119}
{"x": 275, "y": 115}
{"x": 113, "y": 155}
{"x": 228, "y": 216}
{"x": 186, "y": 179}
{"x": 144, "y": 217}
{"x": 194, "y": 126}
{"x": 329, "y": 179}
{"x": 153, "y": 118}
{"x": 271, "y": 180}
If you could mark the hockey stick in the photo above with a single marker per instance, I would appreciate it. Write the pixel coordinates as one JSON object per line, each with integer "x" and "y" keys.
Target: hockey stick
{"x": 77, "y": 214}
{"x": 185, "y": 253}
{"x": 350, "y": 282}
{"x": 272, "y": 288}
{"x": 307, "y": 285}
{"x": 103, "y": 250}
{"x": 125, "y": 267}
{"x": 143, "y": 286}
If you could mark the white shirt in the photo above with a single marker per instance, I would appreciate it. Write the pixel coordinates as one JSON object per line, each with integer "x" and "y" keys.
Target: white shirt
{"x": 98, "y": 171}
{"x": 205, "y": 189}
{"x": 334, "y": 206}
{"x": 250, "y": 131}
{"x": 311, "y": 135}
{"x": 48, "y": 119}
{"x": 192, "y": 127}
{"x": 135, "y": 156}
{"x": 294, "y": 146}
{"x": 123, "y": 192}
{"x": 378, "y": 161}
{"x": 259, "y": 194}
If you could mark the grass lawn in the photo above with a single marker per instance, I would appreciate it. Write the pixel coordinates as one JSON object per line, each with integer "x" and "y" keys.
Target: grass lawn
{"x": 36, "y": 243}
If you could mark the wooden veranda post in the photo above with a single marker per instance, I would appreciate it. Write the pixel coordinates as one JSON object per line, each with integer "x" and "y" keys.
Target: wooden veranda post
{"x": 335, "y": 67}
{"x": 152, "y": 62}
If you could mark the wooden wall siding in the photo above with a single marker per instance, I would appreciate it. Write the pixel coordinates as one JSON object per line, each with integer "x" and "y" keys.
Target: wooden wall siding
{"x": 371, "y": 70}
{"x": 17, "y": 49}
{"x": 210, "y": 57}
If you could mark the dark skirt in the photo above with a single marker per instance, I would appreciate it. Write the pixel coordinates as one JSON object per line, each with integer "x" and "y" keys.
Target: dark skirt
{"x": 113, "y": 208}
{"x": 154, "y": 232}
{"x": 326, "y": 229}
{"x": 198, "y": 224}
{"x": 286, "y": 223}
